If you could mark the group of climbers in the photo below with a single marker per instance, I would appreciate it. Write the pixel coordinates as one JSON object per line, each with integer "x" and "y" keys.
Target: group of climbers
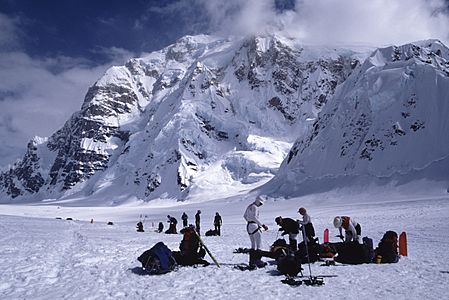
{"x": 172, "y": 227}
{"x": 289, "y": 257}
{"x": 352, "y": 249}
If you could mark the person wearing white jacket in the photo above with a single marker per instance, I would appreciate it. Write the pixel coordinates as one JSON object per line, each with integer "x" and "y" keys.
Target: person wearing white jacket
{"x": 253, "y": 224}
{"x": 353, "y": 230}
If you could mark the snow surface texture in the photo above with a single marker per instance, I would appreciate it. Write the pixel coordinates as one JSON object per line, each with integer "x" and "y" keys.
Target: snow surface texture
{"x": 47, "y": 258}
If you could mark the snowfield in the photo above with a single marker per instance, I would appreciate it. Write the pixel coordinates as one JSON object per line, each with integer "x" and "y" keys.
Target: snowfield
{"x": 42, "y": 257}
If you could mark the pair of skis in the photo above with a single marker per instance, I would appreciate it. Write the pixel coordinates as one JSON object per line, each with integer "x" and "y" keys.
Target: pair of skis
{"x": 402, "y": 242}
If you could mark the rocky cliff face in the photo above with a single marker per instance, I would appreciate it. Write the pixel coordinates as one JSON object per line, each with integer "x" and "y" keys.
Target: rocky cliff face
{"x": 387, "y": 120}
{"x": 159, "y": 125}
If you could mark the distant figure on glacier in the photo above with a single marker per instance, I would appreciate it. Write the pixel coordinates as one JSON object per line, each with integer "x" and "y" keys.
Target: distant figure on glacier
{"x": 306, "y": 222}
{"x": 185, "y": 219}
{"x": 160, "y": 227}
{"x": 198, "y": 221}
{"x": 172, "y": 225}
{"x": 253, "y": 225}
{"x": 140, "y": 227}
{"x": 353, "y": 230}
{"x": 217, "y": 223}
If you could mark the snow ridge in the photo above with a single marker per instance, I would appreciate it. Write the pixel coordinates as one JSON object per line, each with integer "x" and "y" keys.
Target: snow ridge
{"x": 386, "y": 121}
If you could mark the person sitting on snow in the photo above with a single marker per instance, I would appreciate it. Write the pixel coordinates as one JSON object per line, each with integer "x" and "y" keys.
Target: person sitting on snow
{"x": 387, "y": 250}
{"x": 140, "y": 227}
{"x": 353, "y": 230}
{"x": 290, "y": 227}
{"x": 172, "y": 226}
{"x": 191, "y": 252}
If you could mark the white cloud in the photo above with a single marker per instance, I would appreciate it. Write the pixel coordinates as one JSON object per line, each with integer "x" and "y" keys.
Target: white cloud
{"x": 9, "y": 32}
{"x": 374, "y": 22}
{"x": 37, "y": 95}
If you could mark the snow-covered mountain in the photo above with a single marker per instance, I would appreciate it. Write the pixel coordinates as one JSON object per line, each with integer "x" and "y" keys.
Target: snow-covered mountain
{"x": 387, "y": 123}
{"x": 204, "y": 113}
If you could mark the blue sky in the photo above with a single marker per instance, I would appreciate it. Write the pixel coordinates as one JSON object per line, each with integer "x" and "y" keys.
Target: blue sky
{"x": 87, "y": 29}
{"x": 51, "y": 51}
{"x": 80, "y": 28}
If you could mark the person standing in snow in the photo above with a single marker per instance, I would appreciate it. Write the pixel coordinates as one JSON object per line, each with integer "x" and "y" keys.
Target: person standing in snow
{"x": 290, "y": 227}
{"x": 253, "y": 224}
{"x": 184, "y": 218}
{"x": 217, "y": 223}
{"x": 307, "y": 223}
{"x": 198, "y": 221}
{"x": 353, "y": 230}
{"x": 161, "y": 227}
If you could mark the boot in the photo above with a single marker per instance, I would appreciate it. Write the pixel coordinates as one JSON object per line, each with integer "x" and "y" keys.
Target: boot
{"x": 258, "y": 259}
{"x": 252, "y": 259}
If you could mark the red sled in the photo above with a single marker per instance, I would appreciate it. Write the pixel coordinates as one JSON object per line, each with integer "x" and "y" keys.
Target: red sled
{"x": 403, "y": 244}
{"x": 326, "y": 235}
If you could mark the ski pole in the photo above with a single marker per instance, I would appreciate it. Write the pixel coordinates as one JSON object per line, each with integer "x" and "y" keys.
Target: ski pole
{"x": 207, "y": 250}
{"x": 307, "y": 250}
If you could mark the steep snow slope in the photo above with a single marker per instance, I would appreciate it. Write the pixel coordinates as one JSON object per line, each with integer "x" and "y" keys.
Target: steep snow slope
{"x": 386, "y": 123}
{"x": 197, "y": 115}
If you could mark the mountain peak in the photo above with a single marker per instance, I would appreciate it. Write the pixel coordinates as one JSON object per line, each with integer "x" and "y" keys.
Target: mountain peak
{"x": 208, "y": 112}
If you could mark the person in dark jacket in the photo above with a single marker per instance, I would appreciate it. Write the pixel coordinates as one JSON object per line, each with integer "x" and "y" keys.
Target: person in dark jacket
{"x": 172, "y": 226}
{"x": 387, "y": 250}
{"x": 290, "y": 227}
{"x": 140, "y": 227}
{"x": 160, "y": 227}
{"x": 184, "y": 218}
{"x": 198, "y": 221}
{"x": 217, "y": 223}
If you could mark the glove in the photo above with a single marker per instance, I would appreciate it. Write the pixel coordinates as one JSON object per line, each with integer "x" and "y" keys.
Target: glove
{"x": 265, "y": 227}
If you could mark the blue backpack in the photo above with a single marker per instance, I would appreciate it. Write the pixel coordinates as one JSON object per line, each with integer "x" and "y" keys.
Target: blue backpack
{"x": 157, "y": 260}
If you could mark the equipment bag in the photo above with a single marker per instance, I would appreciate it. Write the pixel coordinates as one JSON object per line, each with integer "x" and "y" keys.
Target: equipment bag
{"x": 157, "y": 260}
{"x": 289, "y": 264}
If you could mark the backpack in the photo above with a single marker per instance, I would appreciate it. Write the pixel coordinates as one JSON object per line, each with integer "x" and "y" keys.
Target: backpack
{"x": 368, "y": 248}
{"x": 355, "y": 253}
{"x": 157, "y": 260}
{"x": 211, "y": 232}
{"x": 289, "y": 264}
{"x": 312, "y": 250}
